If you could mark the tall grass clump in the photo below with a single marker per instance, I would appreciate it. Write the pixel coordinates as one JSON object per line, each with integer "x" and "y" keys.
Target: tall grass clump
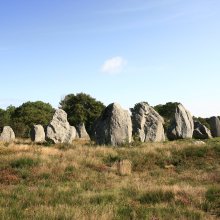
{"x": 212, "y": 201}
{"x": 157, "y": 196}
{"x": 24, "y": 162}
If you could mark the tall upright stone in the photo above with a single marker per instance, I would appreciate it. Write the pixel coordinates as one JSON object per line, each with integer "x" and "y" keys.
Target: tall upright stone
{"x": 37, "y": 134}
{"x": 201, "y": 131}
{"x": 214, "y": 123}
{"x": 124, "y": 167}
{"x": 114, "y": 126}
{"x": 7, "y": 134}
{"x": 59, "y": 129}
{"x": 182, "y": 125}
{"x": 81, "y": 131}
{"x": 147, "y": 123}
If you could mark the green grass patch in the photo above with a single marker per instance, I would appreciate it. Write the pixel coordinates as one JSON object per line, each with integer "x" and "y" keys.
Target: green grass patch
{"x": 212, "y": 201}
{"x": 158, "y": 196}
{"x": 127, "y": 211}
{"x": 110, "y": 159}
{"x": 102, "y": 199}
{"x": 24, "y": 162}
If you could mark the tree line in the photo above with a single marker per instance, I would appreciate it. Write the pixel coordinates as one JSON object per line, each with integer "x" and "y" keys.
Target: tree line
{"x": 80, "y": 108}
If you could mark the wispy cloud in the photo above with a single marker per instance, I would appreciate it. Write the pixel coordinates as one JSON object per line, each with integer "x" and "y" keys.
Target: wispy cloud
{"x": 114, "y": 65}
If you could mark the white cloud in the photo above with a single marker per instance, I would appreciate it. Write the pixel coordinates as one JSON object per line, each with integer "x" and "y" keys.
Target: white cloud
{"x": 114, "y": 65}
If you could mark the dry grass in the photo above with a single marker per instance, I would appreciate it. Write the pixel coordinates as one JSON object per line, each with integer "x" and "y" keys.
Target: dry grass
{"x": 168, "y": 181}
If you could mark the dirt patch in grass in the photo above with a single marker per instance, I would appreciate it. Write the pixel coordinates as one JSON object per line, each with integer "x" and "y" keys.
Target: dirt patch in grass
{"x": 9, "y": 176}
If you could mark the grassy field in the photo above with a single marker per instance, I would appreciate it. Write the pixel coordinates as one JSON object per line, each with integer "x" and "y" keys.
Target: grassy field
{"x": 170, "y": 180}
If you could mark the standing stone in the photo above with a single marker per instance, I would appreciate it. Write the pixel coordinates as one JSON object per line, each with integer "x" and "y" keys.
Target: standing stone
{"x": 59, "y": 129}
{"x": 37, "y": 134}
{"x": 199, "y": 143}
{"x": 124, "y": 167}
{"x": 7, "y": 134}
{"x": 81, "y": 131}
{"x": 201, "y": 131}
{"x": 147, "y": 123}
{"x": 214, "y": 123}
{"x": 182, "y": 125}
{"x": 114, "y": 126}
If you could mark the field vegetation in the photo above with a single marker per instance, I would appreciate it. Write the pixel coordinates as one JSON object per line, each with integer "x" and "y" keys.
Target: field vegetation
{"x": 170, "y": 180}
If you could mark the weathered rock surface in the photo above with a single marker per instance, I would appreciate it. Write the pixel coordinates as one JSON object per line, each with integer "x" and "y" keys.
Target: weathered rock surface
{"x": 59, "y": 129}
{"x": 124, "y": 167}
{"x": 114, "y": 126}
{"x": 7, "y": 134}
{"x": 147, "y": 123}
{"x": 214, "y": 123}
{"x": 37, "y": 134}
{"x": 182, "y": 125}
{"x": 199, "y": 143}
{"x": 201, "y": 131}
{"x": 81, "y": 132}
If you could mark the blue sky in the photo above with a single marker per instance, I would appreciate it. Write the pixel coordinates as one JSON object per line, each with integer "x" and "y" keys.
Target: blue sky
{"x": 123, "y": 51}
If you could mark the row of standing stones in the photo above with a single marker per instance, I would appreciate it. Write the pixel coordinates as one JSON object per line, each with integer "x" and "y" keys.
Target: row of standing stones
{"x": 59, "y": 130}
{"x": 116, "y": 126}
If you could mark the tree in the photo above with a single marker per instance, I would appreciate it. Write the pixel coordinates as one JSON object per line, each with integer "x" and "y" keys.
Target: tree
{"x": 28, "y": 114}
{"x": 167, "y": 111}
{"x": 82, "y": 108}
{"x": 5, "y": 116}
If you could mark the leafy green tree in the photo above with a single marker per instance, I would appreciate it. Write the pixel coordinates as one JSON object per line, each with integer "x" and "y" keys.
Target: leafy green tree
{"x": 5, "y": 116}
{"x": 28, "y": 114}
{"x": 167, "y": 111}
{"x": 82, "y": 108}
